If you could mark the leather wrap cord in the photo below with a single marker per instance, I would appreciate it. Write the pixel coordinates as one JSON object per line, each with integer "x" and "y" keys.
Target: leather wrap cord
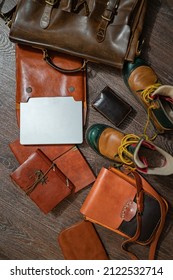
{"x": 49, "y": 61}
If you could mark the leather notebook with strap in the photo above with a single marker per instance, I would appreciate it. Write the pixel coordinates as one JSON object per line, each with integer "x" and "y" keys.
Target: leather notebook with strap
{"x": 81, "y": 242}
{"x": 42, "y": 181}
{"x": 68, "y": 159}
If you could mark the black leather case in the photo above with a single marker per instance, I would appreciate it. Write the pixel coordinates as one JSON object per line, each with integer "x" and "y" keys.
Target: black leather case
{"x": 111, "y": 106}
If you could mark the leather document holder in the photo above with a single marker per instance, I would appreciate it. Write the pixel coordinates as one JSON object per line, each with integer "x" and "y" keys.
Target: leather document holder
{"x": 111, "y": 106}
{"x": 81, "y": 242}
{"x": 42, "y": 181}
{"x": 68, "y": 159}
{"x": 35, "y": 78}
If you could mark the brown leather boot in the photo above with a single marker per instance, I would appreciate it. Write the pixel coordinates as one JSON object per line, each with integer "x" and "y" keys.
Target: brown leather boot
{"x": 129, "y": 149}
{"x": 157, "y": 99}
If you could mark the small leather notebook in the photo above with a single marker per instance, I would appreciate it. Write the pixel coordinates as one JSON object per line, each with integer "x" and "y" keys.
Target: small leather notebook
{"x": 68, "y": 159}
{"x": 42, "y": 181}
{"x": 112, "y": 106}
{"x": 81, "y": 242}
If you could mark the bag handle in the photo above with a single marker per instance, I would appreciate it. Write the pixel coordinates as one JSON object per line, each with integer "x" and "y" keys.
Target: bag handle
{"x": 49, "y": 61}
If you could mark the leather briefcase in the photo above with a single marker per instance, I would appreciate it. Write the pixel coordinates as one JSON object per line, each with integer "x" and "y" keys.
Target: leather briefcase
{"x": 34, "y": 78}
{"x": 101, "y": 31}
{"x": 81, "y": 242}
{"x": 127, "y": 205}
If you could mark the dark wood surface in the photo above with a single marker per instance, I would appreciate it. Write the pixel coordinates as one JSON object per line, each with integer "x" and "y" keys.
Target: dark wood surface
{"x": 25, "y": 232}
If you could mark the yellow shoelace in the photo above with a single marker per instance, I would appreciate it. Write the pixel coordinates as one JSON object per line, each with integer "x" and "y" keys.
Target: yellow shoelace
{"x": 123, "y": 153}
{"x": 130, "y": 139}
{"x": 146, "y": 93}
{"x": 146, "y": 96}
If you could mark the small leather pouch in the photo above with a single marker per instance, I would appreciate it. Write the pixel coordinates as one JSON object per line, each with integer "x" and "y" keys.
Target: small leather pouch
{"x": 111, "y": 106}
{"x": 127, "y": 205}
{"x": 42, "y": 181}
{"x": 68, "y": 159}
{"x": 81, "y": 242}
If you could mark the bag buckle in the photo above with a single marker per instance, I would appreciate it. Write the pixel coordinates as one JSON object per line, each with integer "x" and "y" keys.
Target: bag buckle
{"x": 51, "y": 2}
{"x": 129, "y": 210}
{"x": 106, "y": 18}
{"x": 139, "y": 47}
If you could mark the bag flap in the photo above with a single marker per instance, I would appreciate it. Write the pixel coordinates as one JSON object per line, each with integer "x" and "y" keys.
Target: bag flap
{"x": 107, "y": 198}
{"x": 35, "y": 78}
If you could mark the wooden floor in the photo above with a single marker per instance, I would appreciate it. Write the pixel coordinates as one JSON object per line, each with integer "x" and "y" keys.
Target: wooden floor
{"x": 25, "y": 232}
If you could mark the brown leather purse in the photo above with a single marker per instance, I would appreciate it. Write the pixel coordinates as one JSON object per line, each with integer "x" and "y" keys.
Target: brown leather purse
{"x": 127, "y": 205}
{"x": 101, "y": 31}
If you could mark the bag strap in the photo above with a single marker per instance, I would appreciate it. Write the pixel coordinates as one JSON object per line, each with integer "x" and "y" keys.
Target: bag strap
{"x": 49, "y": 61}
{"x": 153, "y": 245}
{"x": 164, "y": 209}
{"x": 106, "y": 18}
{"x": 140, "y": 206}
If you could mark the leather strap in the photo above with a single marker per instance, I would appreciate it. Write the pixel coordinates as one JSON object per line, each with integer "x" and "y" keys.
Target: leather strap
{"x": 164, "y": 209}
{"x": 106, "y": 18}
{"x": 48, "y": 59}
{"x": 140, "y": 204}
{"x": 45, "y": 19}
{"x": 40, "y": 178}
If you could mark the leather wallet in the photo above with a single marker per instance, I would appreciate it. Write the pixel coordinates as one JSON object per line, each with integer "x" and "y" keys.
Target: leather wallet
{"x": 81, "y": 242}
{"x": 68, "y": 159}
{"x": 111, "y": 106}
{"x": 35, "y": 78}
{"x": 42, "y": 181}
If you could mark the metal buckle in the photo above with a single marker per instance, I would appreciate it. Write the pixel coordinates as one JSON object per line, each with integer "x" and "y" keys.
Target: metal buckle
{"x": 51, "y": 2}
{"x": 107, "y": 19}
{"x": 139, "y": 47}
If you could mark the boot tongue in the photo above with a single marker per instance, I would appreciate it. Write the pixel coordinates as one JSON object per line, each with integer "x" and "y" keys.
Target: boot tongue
{"x": 141, "y": 162}
{"x": 164, "y": 96}
{"x": 166, "y": 91}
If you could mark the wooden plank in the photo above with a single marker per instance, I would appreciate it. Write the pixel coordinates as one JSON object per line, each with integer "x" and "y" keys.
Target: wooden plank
{"x": 25, "y": 232}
